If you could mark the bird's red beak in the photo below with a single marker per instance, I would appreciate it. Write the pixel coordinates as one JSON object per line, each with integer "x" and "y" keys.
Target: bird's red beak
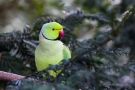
{"x": 61, "y": 34}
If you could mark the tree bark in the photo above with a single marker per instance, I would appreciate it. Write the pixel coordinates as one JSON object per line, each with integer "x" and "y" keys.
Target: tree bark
{"x": 5, "y": 76}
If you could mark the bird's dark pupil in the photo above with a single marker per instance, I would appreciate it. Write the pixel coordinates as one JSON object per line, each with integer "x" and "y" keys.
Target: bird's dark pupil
{"x": 53, "y": 29}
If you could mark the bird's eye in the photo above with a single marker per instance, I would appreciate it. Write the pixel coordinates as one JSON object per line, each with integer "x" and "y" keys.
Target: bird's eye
{"x": 53, "y": 29}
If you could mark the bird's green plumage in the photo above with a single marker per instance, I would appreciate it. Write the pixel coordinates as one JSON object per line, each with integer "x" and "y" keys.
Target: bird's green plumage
{"x": 48, "y": 32}
{"x": 50, "y": 51}
{"x": 66, "y": 52}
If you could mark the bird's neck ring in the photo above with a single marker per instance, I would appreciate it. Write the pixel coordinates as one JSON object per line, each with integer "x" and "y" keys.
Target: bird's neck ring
{"x": 47, "y": 38}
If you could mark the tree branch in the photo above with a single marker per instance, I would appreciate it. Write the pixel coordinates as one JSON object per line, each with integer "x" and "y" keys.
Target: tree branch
{"x": 5, "y": 76}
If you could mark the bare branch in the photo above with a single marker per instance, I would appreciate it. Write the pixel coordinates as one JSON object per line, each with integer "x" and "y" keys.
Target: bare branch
{"x": 5, "y": 76}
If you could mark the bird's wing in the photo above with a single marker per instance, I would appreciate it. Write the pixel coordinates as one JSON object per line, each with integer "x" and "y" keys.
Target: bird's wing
{"x": 66, "y": 53}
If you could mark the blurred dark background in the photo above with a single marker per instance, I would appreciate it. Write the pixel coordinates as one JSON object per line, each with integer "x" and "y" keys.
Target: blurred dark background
{"x": 15, "y": 14}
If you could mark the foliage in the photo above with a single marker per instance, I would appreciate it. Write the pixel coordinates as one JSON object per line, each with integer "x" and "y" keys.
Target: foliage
{"x": 104, "y": 62}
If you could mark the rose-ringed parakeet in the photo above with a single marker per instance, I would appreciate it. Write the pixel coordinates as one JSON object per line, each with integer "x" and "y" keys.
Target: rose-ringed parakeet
{"x": 50, "y": 49}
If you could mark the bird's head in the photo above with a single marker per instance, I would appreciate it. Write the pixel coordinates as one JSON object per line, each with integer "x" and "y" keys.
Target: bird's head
{"x": 52, "y": 31}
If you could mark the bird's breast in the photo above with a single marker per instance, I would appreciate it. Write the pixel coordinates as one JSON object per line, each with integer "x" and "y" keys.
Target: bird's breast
{"x": 48, "y": 52}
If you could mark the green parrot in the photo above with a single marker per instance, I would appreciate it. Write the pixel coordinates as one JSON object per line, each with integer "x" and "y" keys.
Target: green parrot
{"x": 50, "y": 49}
